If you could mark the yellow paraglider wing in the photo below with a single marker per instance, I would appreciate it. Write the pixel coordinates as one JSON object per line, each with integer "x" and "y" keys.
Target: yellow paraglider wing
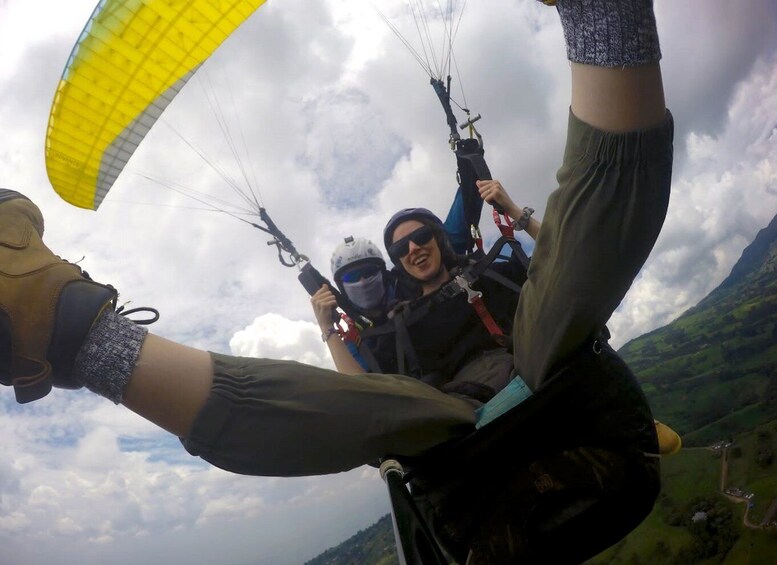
{"x": 130, "y": 61}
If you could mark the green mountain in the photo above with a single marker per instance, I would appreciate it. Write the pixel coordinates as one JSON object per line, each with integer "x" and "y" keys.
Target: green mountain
{"x": 373, "y": 546}
{"x": 711, "y": 375}
{"x": 712, "y": 372}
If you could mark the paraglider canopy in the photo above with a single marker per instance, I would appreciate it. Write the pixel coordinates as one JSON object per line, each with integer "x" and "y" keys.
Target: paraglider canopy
{"x": 130, "y": 61}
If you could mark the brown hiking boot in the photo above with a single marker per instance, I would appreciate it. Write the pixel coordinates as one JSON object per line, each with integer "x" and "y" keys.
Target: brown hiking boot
{"x": 47, "y": 305}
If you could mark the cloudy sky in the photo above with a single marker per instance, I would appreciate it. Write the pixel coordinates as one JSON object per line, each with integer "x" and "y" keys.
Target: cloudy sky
{"x": 338, "y": 128}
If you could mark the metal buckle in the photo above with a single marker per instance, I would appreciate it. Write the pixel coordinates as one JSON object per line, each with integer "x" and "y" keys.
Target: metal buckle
{"x": 463, "y": 283}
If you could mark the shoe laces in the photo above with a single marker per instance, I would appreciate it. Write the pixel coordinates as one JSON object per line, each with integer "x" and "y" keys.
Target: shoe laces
{"x": 143, "y": 321}
{"x": 121, "y": 310}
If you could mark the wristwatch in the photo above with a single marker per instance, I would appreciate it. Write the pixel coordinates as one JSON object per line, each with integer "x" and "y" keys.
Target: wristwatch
{"x": 521, "y": 223}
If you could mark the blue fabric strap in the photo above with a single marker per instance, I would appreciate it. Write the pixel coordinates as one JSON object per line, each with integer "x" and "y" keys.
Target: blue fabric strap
{"x": 457, "y": 227}
{"x": 505, "y": 400}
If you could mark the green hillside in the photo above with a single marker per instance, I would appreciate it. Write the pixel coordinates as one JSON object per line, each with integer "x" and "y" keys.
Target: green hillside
{"x": 691, "y": 483}
{"x": 713, "y": 371}
{"x": 373, "y": 546}
{"x": 712, "y": 375}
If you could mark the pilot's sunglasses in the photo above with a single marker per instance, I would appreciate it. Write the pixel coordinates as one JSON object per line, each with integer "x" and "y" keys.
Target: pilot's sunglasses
{"x": 401, "y": 247}
{"x": 355, "y": 275}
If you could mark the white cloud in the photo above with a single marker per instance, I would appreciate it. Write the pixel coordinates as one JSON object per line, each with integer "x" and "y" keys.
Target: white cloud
{"x": 329, "y": 104}
{"x": 93, "y": 495}
{"x": 722, "y": 196}
{"x": 275, "y": 337}
{"x": 23, "y": 24}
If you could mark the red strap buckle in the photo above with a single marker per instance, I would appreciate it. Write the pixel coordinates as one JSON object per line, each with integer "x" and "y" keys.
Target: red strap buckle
{"x": 350, "y": 332}
{"x": 474, "y": 297}
{"x": 505, "y": 229}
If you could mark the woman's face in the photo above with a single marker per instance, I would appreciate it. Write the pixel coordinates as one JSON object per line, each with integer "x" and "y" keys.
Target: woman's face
{"x": 423, "y": 258}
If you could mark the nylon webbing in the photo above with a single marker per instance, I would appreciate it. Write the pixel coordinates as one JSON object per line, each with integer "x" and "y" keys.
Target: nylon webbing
{"x": 486, "y": 317}
{"x": 504, "y": 281}
{"x": 505, "y": 229}
{"x": 367, "y": 355}
{"x": 405, "y": 350}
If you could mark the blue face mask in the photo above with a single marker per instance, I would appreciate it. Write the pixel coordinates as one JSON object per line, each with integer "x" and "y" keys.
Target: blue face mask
{"x": 366, "y": 293}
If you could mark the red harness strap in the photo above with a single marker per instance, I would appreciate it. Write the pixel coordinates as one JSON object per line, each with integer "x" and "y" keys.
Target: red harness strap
{"x": 486, "y": 317}
{"x": 475, "y": 298}
{"x": 350, "y": 332}
{"x": 505, "y": 229}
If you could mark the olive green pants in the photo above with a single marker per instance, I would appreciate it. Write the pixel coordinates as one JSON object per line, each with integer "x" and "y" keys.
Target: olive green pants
{"x": 599, "y": 228}
{"x": 282, "y": 418}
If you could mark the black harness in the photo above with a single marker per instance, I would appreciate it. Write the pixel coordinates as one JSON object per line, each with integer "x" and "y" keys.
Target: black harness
{"x": 406, "y": 314}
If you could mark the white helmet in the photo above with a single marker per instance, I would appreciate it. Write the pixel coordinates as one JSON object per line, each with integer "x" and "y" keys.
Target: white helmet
{"x": 354, "y": 250}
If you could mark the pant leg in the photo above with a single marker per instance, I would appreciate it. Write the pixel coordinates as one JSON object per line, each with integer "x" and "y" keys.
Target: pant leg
{"x": 282, "y": 418}
{"x": 599, "y": 228}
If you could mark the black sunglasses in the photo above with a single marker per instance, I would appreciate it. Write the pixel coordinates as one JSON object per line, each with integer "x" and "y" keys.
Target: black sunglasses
{"x": 401, "y": 247}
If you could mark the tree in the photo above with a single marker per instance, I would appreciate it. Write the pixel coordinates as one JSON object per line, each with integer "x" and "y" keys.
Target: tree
{"x": 661, "y": 552}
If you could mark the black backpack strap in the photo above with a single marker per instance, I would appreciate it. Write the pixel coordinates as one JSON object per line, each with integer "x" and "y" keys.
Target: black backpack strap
{"x": 367, "y": 355}
{"x": 471, "y": 167}
{"x": 501, "y": 279}
{"x": 405, "y": 350}
{"x": 465, "y": 277}
{"x": 481, "y": 265}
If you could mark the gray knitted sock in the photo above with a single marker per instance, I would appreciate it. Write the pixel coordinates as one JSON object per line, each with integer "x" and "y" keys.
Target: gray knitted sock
{"x": 106, "y": 359}
{"x": 610, "y": 33}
